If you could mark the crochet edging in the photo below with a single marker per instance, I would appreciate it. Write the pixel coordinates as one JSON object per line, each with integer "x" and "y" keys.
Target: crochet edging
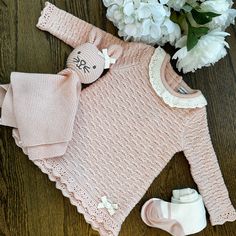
{"x": 224, "y": 217}
{"x": 81, "y": 208}
{"x": 45, "y": 15}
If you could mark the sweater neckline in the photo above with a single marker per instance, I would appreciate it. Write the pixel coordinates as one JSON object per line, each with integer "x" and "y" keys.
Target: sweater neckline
{"x": 163, "y": 78}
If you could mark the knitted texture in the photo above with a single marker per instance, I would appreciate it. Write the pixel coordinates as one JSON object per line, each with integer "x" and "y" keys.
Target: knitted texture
{"x": 57, "y": 96}
{"x": 124, "y": 135}
{"x": 28, "y": 99}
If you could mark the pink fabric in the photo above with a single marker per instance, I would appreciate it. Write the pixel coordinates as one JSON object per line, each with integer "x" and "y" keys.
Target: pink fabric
{"x": 42, "y": 107}
{"x": 124, "y": 135}
{"x": 6, "y": 101}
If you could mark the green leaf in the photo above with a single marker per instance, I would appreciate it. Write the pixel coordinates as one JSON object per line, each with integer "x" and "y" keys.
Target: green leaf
{"x": 203, "y": 18}
{"x": 177, "y": 17}
{"x": 194, "y": 34}
{"x": 200, "y": 31}
{"x": 191, "y": 41}
{"x": 174, "y": 17}
{"x": 180, "y": 19}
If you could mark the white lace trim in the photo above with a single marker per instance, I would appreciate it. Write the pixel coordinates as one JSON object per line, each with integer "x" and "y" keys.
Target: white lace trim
{"x": 78, "y": 196}
{"x": 157, "y": 84}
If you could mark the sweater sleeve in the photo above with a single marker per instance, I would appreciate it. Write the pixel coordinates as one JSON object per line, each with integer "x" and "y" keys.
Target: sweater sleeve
{"x": 70, "y": 29}
{"x": 205, "y": 169}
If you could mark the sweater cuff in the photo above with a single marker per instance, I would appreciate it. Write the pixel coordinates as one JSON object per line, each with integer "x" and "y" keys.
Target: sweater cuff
{"x": 226, "y": 215}
{"x": 47, "y": 14}
{"x": 66, "y": 27}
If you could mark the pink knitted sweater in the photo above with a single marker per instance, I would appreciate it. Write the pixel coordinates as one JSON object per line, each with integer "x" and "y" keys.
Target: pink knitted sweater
{"x": 129, "y": 125}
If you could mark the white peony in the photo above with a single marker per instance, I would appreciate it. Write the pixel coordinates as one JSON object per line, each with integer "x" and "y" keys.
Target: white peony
{"x": 217, "y": 6}
{"x": 209, "y": 49}
{"x": 224, "y": 20}
{"x": 222, "y": 7}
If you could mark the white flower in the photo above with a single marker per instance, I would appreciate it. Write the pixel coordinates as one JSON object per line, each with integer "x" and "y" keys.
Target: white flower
{"x": 209, "y": 49}
{"x": 115, "y": 14}
{"x": 108, "y": 3}
{"x": 143, "y": 20}
{"x": 128, "y": 8}
{"x": 224, "y": 20}
{"x": 170, "y": 32}
{"x": 193, "y": 3}
{"x": 222, "y": 7}
{"x": 217, "y": 6}
{"x": 231, "y": 14}
{"x": 177, "y": 5}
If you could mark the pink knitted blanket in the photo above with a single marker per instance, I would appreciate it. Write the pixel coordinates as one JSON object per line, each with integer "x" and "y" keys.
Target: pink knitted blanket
{"x": 129, "y": 125}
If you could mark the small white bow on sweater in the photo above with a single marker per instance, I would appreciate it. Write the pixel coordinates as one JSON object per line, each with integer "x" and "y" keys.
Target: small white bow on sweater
{"x": 105, "y": 203}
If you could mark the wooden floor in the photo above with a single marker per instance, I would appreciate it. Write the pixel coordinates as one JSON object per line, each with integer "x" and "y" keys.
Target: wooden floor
{"x": 29, "y": 203}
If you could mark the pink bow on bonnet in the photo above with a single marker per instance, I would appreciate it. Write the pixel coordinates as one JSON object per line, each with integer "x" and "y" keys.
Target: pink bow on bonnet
{"x": 42, "y": 107}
